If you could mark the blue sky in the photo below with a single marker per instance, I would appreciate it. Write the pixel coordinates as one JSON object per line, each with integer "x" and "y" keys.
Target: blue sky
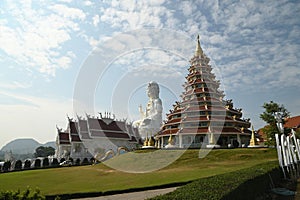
{"x": 67, "y": 57}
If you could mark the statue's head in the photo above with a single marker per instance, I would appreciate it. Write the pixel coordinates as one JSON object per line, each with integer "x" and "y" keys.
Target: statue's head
{"x": 153, "y": 89}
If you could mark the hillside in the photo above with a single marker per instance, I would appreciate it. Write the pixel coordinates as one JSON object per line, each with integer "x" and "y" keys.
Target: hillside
{"x": 24, "y": 146}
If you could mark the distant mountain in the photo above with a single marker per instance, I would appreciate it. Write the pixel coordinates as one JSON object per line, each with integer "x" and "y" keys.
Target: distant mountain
{"x": 24, "y": 146}
{"x": 50, "y": 144}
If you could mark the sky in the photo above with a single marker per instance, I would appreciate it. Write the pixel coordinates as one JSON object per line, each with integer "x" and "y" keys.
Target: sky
{"x": 68, "y": 58}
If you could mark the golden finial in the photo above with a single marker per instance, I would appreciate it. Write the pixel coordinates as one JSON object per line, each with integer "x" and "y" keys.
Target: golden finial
{"x": 253, "y": 139}
{"x": 198, "y": 51}
{"x": 212, "y": 139}
{"x": 150, "y": 142}
{"x": 146, "y": 141}
{"x": 170, "y": 139}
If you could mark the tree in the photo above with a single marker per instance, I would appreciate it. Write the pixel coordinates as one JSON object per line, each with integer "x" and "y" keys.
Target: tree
{"x": 18, "y": 165}
{"x": 62, "y": 160}
{"x": 44, "y": 151}
{"x": 27, "y": 164}
{"x": 269, "y": 117}
{"x": 85, "y": 162}
{"x": 297, "y": 133}
{"x": 6, "y": 166}
{"x": 37, "y": 163}
{"x": 45, "y": 162}
{"x": 54, "y": 162}
{"x": 77, "y": 162}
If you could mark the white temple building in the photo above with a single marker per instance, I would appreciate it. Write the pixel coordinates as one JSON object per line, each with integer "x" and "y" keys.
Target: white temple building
{"x": 94, "y": 136}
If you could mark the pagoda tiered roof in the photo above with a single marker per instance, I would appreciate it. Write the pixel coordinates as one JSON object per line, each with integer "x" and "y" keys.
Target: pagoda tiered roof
{"x": 203, "y": 108}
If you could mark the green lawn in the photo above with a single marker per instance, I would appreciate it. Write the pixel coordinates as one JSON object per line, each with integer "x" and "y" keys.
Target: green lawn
{"x": 99, "y": 177}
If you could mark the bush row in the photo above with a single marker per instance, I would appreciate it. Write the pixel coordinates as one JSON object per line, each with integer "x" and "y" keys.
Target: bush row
{"x": 26, "y": 195}
{"x": 39, "y": 163}
{"x": 244, "y": 184}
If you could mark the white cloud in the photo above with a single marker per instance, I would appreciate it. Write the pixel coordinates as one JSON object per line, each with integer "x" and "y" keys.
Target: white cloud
{"x": 187, "y": 8}
{"x": 88, "y": 3}
{"x": 96, "y": 20}
{"x": 130, "y": 15}
{"x": 36, "y": 38}
{"x": 66, "y": 1}
{"x": 68, "y": 12}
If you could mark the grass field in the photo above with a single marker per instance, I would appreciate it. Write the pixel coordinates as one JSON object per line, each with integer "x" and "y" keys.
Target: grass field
{"x": 99, "y": 177}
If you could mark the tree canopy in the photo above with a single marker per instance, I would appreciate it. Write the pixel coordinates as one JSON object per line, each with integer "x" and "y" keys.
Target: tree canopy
{"x": 268, "y": 116}
{"x": 270, "y": 109}
{"x": 44, "y": 151}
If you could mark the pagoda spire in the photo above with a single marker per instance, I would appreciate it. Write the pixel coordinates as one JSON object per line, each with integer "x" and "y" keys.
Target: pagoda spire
{"x": 198, "y": 51}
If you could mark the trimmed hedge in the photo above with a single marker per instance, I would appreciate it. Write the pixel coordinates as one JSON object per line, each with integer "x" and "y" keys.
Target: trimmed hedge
{"x": 243, "y": 184}
{"x": 26, "y": 195}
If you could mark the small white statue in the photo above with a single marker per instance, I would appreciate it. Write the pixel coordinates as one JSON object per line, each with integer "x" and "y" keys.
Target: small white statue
{"x": 278, "y": 117}
{"x": 151, "y": 119}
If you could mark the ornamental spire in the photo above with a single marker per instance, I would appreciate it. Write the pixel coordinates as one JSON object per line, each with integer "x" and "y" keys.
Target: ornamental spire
{"x": 198, "y": 51}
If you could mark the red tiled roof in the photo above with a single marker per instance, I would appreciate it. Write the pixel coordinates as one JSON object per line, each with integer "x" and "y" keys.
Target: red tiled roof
{"x": 209, "y": 108}
{"x": 63, "y": 138}
{"x": 99, "y": 124}
{"x": 74, "y": 131}
{"x": 73, "y": 127}
{"x": 169, "y": 131}
{"x": 194, "y": 130}
{"x": 84, "y": 135}
{"x": 75, "y": 138}
{"x": 204, "y": 118}
{"x": 83, "y": 129}
{"x": 109, "y": 134}
{"x": 200, "y": 99}
{"x": 292, "y": 122}
{"x": 177, "y": 111}
{"x": 205, "y": 130}
{"x": 83, "y": 125}
{"x": 174, "y": 120}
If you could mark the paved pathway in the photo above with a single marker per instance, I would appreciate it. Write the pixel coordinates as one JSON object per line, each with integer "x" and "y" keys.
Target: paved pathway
{"x": 134, "y": 195}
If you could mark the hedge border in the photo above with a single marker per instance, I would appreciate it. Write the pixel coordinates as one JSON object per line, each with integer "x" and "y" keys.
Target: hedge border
{"x": 246, "y": 184}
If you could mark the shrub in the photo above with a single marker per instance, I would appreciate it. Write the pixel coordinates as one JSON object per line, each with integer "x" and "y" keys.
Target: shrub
{"x": 92, "y": 160}
{"x": 37, "y": 163}
{"x": 243, "y": 184}
{"x": 62, "y": 160}
{"x": 18, "y": 165}
{"x": 77, "y": 162}
{"x": 27, "y": 164}
{"x": 6, "y": 166}
{"x": 85, "y": 161}
{"x": 45, "y": 162}
{"x": 27, "y": 194}
{"x": 54, "y": 162}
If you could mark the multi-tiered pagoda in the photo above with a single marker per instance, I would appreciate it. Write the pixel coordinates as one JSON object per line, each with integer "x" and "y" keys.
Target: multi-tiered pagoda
{"x": 203, "y": 118}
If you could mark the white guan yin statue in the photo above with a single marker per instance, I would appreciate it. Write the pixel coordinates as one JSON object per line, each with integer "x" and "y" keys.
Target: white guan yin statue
{"x": 151, "y": 119}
